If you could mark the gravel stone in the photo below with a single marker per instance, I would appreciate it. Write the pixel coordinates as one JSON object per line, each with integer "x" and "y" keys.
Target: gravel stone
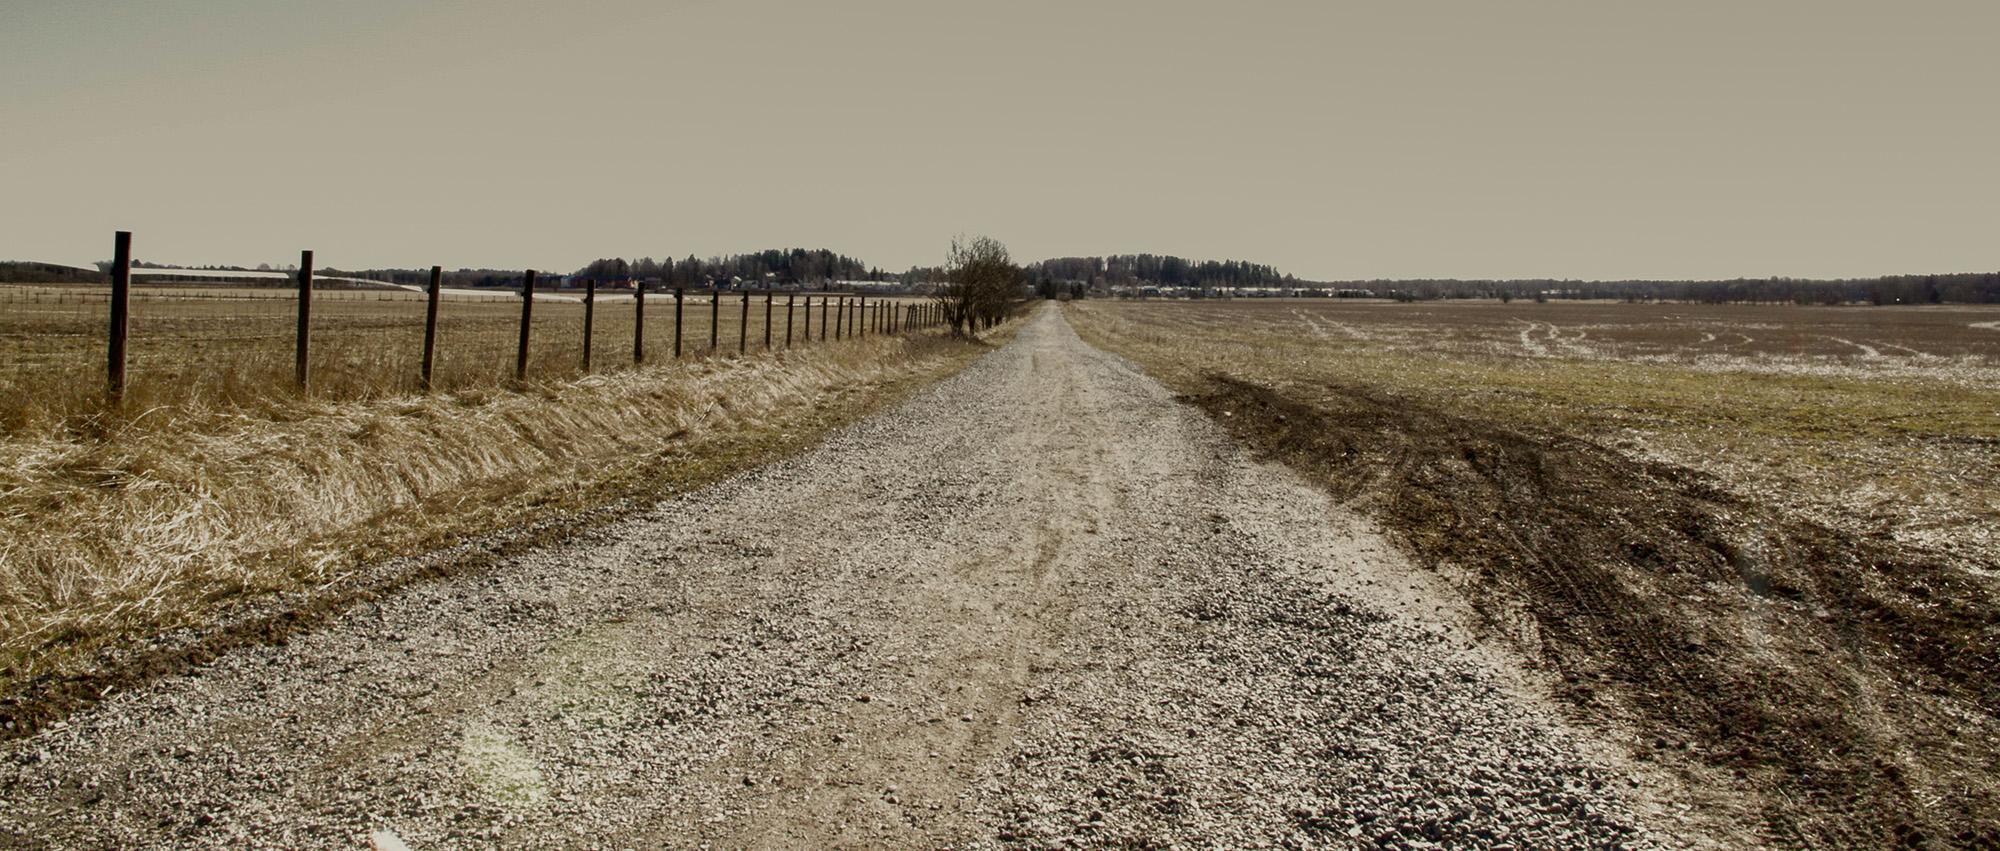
{"x": 1149, "y": 638}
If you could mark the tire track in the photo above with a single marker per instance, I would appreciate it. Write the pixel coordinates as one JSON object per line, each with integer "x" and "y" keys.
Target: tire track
{"x": 1043, "y": 602}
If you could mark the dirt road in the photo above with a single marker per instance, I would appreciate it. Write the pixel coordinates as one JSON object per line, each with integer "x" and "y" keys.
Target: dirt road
{"x": 1042, "y": 603}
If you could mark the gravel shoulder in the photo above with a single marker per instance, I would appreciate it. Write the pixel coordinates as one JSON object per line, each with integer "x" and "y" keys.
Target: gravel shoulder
{"x": 1042, "y": 603}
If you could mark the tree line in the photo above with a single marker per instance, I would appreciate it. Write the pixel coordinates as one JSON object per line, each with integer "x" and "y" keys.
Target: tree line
{"x": 772, "y": 267}
{"x": 1078, "y": 276}
{"x": 1164, "y": 270}
{"x": 1960, "y": 288}
{"x": 779, "y": 266}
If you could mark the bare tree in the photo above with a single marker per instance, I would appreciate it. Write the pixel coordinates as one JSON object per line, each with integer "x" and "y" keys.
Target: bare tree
{"x": 981, "y": 284}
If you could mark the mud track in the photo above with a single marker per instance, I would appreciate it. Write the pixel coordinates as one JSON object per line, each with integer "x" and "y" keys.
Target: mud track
{"x": 1829, "y": 689}
{"x": 1043, "y": 603}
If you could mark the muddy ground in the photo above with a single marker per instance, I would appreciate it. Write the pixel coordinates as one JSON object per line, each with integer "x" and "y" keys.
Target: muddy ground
{"x": 1828, "y": 688}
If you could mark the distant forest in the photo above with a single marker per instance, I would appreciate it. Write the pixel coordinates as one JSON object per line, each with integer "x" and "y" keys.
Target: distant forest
{"x": 1962, "y": 288}
{"x": 786, "y": 267}
{"x": 1171, "y": 275}
{"x": 782, "y": 266}
{"x": 1160, "y": 270}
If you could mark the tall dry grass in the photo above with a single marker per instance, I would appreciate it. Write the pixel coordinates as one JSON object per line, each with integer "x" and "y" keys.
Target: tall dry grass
{"x": 128, "y": 525}
{"x": 235, "y": 346}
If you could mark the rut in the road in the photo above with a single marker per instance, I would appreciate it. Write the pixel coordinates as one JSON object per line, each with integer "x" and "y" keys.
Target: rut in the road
{"x": 1043, "y": 602}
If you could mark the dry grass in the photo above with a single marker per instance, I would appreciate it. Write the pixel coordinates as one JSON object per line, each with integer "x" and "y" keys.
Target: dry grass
{"x": 114, "y": 527}
{"x": 233, "y": 347}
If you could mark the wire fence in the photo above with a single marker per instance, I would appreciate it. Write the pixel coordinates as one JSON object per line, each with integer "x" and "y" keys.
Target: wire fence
{"x": 62, "y": 352}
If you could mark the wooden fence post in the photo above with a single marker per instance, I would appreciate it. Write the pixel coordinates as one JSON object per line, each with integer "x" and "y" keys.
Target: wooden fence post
{"x": 589, "y": 315}
{"x": 527, "y": 317}
{"x": 768, "y": 295}
{"x": 304, "y": 370}
{"x": 809, "y": 317}
{"x": 678, "y": 293}
{"x": 822, "y": 319}
{"x": 714, "y": 315}
{"x": 861, "y": 317}
{"x": 840, "y": 318}
{"x": 639, "y": 323}
{"x": 431, "y": 296}
{"x": 743, "y": 326}
{"x": 121, "y": 313}
{"x": 790, "y": 299}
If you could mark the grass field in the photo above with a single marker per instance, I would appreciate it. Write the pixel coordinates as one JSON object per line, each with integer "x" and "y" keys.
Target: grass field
{"x": 235, "y": 346}
{"x": 1767, "y": 539}
{"x": 1882, "y": 420}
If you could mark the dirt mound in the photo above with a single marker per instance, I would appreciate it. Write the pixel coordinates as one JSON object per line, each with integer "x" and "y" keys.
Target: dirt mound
{"x": 1846, "y": 685}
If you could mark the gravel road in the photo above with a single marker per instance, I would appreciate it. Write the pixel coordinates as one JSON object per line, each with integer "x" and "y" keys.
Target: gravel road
{"x": 1042, "y": 603}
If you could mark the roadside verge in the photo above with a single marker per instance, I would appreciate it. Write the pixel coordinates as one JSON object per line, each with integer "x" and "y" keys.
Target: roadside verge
{"x": 135, "y": 553}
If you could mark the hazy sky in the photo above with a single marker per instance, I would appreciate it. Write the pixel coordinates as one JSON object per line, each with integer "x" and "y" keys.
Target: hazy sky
{"x": 1401, "y": 138}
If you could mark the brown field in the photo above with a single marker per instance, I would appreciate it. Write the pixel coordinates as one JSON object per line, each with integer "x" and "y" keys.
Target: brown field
{"x": 1935, "y": 342}
{"x": 1764, "y": 541}
{"x": 1880, "y": 417}
{"x": 234, "y": 346}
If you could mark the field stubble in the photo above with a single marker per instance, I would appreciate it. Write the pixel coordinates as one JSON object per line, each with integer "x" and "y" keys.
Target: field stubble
{"x": 1769, "y": 556}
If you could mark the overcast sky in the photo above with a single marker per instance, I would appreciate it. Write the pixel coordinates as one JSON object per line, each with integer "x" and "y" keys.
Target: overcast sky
{"x": 1402, "y": 138}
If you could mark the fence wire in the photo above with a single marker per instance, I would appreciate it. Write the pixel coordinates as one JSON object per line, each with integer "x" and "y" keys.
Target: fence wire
{"x": 232, "y": 344}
